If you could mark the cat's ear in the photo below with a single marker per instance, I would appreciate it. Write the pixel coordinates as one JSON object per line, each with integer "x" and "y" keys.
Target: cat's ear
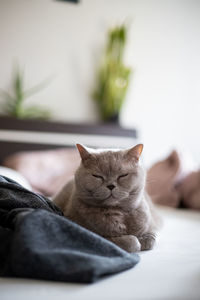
{"x": 135, "y": 152}
{"x": 84, "y": 154}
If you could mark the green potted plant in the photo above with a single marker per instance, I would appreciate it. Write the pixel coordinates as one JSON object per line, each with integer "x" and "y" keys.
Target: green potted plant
{"x": 113, "y": 76}
{"x": 13, "y": 105}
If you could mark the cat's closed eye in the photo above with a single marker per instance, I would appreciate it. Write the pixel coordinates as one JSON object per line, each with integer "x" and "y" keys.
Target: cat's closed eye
{"x": 97, "y": 176}
{"x": 122, "y": 176}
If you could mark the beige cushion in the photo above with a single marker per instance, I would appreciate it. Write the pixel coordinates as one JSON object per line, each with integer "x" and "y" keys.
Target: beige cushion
{"x": 46, "y": 171}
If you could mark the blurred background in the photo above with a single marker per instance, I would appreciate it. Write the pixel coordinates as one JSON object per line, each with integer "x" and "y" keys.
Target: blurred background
{"x": 64, "y": 41}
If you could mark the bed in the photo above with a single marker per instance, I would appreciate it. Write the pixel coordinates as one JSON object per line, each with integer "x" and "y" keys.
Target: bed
{"x": 170, "y": 271}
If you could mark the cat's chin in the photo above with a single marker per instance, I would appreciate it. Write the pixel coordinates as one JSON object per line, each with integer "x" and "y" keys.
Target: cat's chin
{"x": 109, "y": 200}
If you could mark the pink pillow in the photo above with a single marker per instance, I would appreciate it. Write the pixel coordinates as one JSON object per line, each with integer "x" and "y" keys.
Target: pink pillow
{"x": 47, "y": 171}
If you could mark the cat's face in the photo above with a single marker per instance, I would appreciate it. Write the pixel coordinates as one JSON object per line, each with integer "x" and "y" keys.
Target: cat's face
{"x": 109, "y": 177}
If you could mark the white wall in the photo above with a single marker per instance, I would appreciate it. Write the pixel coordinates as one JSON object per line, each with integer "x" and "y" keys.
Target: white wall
{"x": 48, "y": 37}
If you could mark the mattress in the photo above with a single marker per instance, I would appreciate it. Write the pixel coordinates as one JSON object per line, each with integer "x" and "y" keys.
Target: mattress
{"x": 170, "y": 271}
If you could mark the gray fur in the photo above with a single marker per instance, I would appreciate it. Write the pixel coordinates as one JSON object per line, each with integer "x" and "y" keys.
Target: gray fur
{"x": 123, "y": 215}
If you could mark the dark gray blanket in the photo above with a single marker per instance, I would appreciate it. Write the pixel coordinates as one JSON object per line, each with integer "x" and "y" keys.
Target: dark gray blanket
{"x": 36, "y": 241}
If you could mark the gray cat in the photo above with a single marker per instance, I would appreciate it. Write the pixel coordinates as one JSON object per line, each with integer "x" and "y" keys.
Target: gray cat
{"x": 107, "y": 196}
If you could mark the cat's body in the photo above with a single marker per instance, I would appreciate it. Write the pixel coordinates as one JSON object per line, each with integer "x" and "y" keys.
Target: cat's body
{"x": 107, "y": 196}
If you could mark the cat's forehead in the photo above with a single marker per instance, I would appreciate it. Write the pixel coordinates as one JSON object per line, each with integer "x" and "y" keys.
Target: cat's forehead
{"x": 109, "y": 162}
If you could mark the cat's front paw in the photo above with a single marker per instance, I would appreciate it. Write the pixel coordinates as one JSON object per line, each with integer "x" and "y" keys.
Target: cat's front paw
{"x": 130, "y": 243}
{"x": 147, "y": 241}
{"x": 133, "y": 244}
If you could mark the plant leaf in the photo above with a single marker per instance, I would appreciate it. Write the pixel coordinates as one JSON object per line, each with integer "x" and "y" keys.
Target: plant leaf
{"x": 36, "y": 112}
{"x": 35, "y": 89}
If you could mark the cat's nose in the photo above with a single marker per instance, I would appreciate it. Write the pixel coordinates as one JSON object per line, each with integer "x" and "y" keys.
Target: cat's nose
{"x": 111, "y": 187}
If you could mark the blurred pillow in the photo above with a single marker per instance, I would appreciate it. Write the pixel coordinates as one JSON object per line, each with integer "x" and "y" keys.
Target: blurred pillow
{"x": 16, "y": 176}
{"x": 161, "y": 178}
{"x": 173, "y": 181}
{"x": 189, "y": 189}
{"x": 47, "y": 171}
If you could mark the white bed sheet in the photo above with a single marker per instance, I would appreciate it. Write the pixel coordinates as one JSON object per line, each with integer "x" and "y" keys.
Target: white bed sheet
{"x": 170, "y": 271}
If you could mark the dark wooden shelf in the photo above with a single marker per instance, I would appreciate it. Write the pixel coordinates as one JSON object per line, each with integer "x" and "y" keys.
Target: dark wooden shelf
{"x": 28, "y": 135}
{"x": 109, "y": 129}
